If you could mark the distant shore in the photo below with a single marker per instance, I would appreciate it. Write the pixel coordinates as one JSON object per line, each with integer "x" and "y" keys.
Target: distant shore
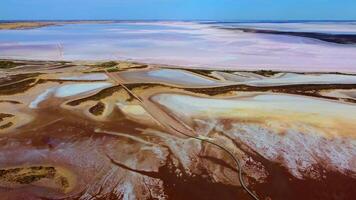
{"x": 326, "y": 37}
{"x": 193, "y": 45}
{"x": 18, "y": 25}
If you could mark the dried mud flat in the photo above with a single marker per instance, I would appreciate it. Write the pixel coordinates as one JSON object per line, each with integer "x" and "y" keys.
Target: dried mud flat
{"x": 119, "y": 130}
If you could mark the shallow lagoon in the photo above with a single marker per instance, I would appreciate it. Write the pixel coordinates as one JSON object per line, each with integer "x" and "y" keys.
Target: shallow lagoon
{"x": 183, "y": 43}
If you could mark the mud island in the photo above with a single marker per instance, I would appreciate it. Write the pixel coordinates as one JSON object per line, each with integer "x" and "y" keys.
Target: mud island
{"x": 127, "y": 130}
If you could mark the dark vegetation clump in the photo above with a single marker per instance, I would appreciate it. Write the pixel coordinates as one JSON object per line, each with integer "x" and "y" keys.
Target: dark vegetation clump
{"x": 266, "y": 73}
{"x": 4, "y": 172}
{"x": 8, "y": 125}
{"x": 110, "y": 66}
{"x": 107, "y": 64}
{"x": 113, "y": 69}
{"x": 30, "y": 175}
{"x": 98, "y": 109}
{"x": 29, "y": 178}
{"x": 4, "y": 64}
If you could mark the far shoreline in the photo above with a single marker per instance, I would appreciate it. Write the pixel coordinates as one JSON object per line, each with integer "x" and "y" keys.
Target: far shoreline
{"x": 184, "y": 62}
{"x": 21, "y": 25}
{"x": 173, "y": 66}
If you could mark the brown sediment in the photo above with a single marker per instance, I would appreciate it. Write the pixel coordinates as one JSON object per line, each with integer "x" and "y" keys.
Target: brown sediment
{"x": 138, "y": 66}
{"x": 19, "y": 176}
{"x": 17, "y": 78}
{"x": 10, "y": 101}
{"x": 18, "y": 87}
{"x": 7, "y": 125}
{"x": 114, "y": 156}
{"x": 5, "y": 115}
{"x": 23, "y": 25}
{"x": 34, "y": 174}
{"x": 281, "y": 185}
{"x": 294, "y": 89}
{"x": 301, "y": 89}
{"x": 194, "y": 186}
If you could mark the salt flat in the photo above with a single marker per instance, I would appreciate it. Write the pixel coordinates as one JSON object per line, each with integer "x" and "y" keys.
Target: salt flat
{"x": 77, "y": 130}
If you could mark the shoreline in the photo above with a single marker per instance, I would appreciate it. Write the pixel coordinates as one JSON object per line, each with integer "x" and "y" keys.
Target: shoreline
{"x": 227, "y": 50}
{"x": 184, "y": 67}
{"x": 347, "y": 39}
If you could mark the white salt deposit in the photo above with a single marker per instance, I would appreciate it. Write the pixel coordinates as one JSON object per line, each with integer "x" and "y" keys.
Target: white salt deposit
{"x": 79, "y": 88}
{"x": 43, "y": 96}
{"x": 287, "y": 129}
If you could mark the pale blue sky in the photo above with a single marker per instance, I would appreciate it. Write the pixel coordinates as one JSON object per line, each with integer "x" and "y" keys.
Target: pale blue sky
{"x": 178, "y": 9}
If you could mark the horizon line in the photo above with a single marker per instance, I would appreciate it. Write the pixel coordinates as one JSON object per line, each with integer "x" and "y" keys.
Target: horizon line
{"x": 201, "y": 20}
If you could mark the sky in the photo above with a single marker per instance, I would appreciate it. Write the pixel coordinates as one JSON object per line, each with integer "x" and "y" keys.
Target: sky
{"x": 178, "y": 9}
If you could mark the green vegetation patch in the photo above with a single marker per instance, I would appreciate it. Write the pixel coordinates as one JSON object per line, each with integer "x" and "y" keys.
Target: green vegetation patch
{"x": 110, "y": 66}
{"x": 4, "y": 64}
